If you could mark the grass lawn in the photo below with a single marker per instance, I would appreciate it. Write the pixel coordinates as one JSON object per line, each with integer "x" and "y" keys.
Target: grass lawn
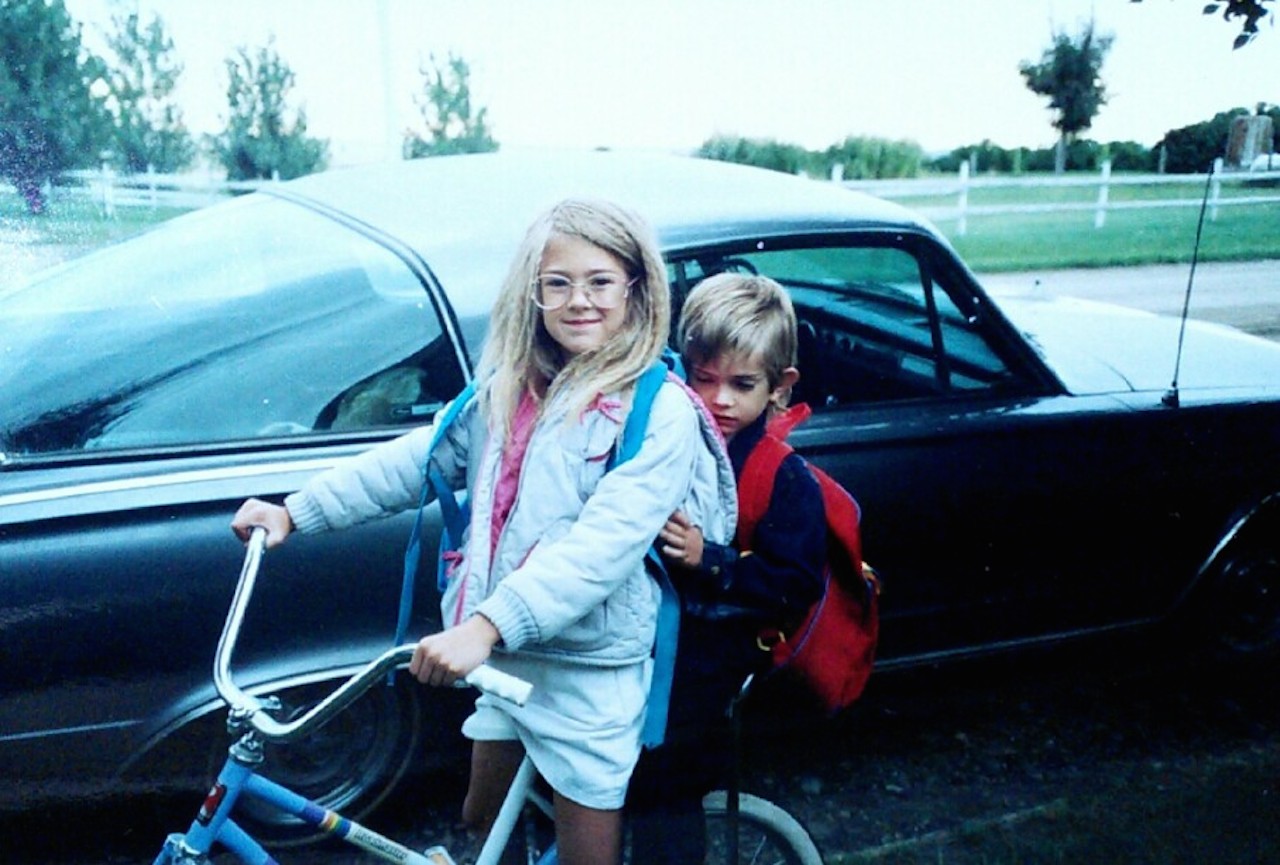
{"x": 1011, "y": 242}
{"x": 74, "y": 222}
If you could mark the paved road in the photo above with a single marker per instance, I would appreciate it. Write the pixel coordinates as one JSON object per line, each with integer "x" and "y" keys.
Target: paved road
{"x": 1245, "y": 295}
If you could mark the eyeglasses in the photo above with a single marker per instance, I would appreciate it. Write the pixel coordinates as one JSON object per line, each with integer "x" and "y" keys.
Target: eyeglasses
{"x": 602, "y": 290}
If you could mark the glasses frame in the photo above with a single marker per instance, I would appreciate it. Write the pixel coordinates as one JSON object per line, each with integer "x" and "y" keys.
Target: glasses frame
{"x": 574, "y": 285}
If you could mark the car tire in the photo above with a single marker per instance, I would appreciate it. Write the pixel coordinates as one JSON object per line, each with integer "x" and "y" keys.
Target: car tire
{"x": 350, "y": 765}
{"x": 1246, "y": 604}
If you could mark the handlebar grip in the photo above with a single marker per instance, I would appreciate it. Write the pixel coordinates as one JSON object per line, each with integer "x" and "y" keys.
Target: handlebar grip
{"x": 500, "y": 684}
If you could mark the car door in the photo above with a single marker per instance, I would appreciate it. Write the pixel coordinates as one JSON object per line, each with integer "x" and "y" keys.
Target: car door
{"x": 151, "y": 388}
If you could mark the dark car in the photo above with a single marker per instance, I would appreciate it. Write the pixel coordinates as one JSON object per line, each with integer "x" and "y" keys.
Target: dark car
{"x": 1025, "y": 474}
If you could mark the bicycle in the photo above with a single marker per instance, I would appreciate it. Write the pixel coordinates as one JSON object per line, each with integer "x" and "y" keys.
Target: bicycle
{"x": 741, "y": 827}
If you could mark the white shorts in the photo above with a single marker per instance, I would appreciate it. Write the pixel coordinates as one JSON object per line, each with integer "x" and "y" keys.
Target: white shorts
{"x": 581, "y": 725}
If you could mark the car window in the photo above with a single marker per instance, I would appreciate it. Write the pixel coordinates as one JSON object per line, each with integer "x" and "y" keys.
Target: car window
{"x": 250, "y": 320}
{"x": 875, "y": 322}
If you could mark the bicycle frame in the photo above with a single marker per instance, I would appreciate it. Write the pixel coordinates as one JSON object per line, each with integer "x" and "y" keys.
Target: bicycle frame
{"x": 239, "y": 778}
{"x": 249, "y": 720}
{"x": 252, "y": 725}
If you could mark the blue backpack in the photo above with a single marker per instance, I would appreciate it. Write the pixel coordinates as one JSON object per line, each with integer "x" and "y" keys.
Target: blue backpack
{"x": 456, "y": 515}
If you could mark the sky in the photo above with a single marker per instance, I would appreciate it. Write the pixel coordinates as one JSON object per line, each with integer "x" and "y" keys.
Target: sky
{"x": 669, "y": 74}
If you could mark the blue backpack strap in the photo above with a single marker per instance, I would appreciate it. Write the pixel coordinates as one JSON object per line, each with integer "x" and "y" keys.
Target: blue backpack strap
{"x": 664, "y": 655}
{"x": 647, "y": 387}
{"x": 454, "y": 515}
{"x": 668, "y": 626}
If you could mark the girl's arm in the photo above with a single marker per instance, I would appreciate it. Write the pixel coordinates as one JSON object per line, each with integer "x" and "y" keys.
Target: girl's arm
{"x": 382, "y": 481}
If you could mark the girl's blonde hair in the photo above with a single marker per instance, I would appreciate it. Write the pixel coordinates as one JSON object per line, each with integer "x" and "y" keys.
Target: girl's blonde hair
{"x": 740, "y": 315}
{"x": 520, "y": 356}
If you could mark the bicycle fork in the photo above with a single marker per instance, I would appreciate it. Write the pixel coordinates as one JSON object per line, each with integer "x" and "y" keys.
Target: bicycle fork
{"x": 213, "y": 823}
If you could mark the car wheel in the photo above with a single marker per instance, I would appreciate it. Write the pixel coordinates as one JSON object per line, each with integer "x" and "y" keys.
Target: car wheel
{"x": 1247, "y": 603}
{"x": 350, "y": 765}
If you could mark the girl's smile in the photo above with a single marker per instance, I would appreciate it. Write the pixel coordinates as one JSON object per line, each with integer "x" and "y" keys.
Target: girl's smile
{"x": 586, "y": 280}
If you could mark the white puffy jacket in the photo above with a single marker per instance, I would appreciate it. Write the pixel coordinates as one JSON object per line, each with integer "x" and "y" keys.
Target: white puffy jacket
{"x": 567, "y": 577}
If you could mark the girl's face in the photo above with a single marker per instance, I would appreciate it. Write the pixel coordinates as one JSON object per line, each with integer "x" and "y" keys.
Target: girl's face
{"x": 586, "y": 287}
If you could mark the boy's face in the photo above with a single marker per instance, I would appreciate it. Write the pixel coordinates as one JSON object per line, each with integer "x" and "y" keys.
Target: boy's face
{"x": 736, "y": 389}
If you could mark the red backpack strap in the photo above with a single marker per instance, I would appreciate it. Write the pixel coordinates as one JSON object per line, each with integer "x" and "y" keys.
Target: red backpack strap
{"x": 781, "y": 424}
{"x": 843, "y": 516}
{"x": 755, "y": 485}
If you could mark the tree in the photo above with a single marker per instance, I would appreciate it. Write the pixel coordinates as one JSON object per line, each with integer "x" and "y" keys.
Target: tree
{"x": 1069, "y": 73}
{"x": 261, "y": 139}
{"x": 50, "y": 118}
{"x": 1252, "y": 11}
{"x": 446, "y": 110}
{"x": 148, "y": 124}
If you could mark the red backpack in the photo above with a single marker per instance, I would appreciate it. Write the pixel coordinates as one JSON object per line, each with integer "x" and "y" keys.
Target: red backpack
{"x": 832, "y": 650}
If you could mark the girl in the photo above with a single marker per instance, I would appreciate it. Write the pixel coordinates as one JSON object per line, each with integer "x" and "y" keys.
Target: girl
{"x": 550, "y": 578}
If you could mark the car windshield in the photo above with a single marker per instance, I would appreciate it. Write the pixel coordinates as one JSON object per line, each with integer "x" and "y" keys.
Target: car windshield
{"x": 252, "y": 319}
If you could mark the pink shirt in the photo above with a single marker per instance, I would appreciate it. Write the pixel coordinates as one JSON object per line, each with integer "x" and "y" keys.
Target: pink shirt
{"x": 504, "y": 494}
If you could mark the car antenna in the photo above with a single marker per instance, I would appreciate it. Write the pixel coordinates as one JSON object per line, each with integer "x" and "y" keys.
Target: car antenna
{"x": 1170, "y": 397}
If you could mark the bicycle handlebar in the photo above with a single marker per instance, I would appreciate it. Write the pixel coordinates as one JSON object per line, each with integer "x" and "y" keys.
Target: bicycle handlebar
{"x": 485, "y": 678}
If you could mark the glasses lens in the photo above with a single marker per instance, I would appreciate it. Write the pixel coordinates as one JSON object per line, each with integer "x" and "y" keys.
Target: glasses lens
{"x": 604, "y": 291}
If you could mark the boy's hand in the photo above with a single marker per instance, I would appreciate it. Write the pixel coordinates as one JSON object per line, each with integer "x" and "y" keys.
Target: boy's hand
{"x": 682, "y": 541}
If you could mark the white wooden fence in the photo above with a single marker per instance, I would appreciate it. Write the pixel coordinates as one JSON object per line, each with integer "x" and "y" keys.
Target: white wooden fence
{"x": 111, "y": 190}
{"x": 962, "y": 183}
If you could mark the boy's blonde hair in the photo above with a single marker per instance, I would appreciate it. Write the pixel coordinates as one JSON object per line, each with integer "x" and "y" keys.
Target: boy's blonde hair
{"x": 519, "y": 354}
{"x": 742, "y": 315}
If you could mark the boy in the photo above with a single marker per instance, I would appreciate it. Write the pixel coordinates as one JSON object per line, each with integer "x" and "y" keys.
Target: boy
{"x": 737, "y": 337}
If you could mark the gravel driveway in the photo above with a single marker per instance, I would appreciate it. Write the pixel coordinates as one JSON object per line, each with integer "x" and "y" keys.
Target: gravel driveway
{"x": 1101, "y": 756}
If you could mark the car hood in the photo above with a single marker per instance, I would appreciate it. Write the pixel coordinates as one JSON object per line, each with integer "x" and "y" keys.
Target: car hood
{"x": 1098, "y": 347}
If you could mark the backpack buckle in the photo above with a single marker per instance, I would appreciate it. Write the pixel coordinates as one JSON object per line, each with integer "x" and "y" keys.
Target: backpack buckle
{"x": 768, "y": 638}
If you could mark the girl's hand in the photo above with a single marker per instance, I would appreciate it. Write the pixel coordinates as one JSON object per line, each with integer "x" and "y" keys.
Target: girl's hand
{"x": 255, "y": 512}
{"x": 443, "y": 658}
{"x": 682, "y": 541}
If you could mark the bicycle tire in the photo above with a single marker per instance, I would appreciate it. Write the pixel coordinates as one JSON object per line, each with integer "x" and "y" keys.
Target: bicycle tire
{"x": 767, "y": 834}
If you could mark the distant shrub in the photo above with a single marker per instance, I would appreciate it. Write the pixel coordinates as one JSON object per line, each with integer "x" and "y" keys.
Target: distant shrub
{"x": 859, "y": 158}
{"x": 1082, "y": 155}
{"x": 864, "y": 158}
{"x": 762, "y": 153}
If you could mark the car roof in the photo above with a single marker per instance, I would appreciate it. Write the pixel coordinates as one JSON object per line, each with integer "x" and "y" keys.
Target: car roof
{"x": 452, "y": 199}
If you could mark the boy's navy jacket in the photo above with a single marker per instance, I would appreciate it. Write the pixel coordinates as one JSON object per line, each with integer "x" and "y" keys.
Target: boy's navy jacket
{"x": 783, "y": 576}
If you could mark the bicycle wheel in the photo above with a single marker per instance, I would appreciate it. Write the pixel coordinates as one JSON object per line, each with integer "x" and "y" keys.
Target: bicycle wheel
{"x": 767, "y": 835}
